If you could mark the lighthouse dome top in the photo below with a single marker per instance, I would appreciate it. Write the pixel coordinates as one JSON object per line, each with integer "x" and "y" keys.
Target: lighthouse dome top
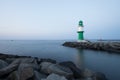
{"x": 81, "y": 23}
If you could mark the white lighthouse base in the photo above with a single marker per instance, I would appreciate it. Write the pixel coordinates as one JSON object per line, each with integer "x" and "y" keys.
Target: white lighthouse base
{"x": 83, "y": 41}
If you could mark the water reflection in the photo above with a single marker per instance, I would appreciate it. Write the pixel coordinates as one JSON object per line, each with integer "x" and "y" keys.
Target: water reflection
{"x": 80, "y": 58}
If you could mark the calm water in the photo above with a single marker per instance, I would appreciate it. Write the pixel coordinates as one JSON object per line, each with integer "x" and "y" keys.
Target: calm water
{"x": 108, "y": 63}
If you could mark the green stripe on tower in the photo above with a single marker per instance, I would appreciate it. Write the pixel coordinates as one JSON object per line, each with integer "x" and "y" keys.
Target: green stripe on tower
{"x": 80, "y": 35}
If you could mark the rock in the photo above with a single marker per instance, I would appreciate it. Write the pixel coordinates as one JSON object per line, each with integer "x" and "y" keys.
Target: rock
{"x": 39, "y": 60}
{"x": 87, "y": 73}
{"x": 39, "y": 76}
{"x": 70, "y": 44}
{"x": 28, "y": 60}
{"x": 101, "y": 45}
{"x": 104, "y": 46}
{"x": 99, "y": 76}
{"x": 25, "y": 71}
{"x": 10, "y": 60}
{"x": 34, "y": 66}
{"x": 95, "y": 46}
{"x": 90, "y": 75}
{"x": 27, "y": 68}
{"x": 49, "y": 68}
{"x": 4, "y": 56}
{"x": 89, "y": 78}
{"x": 44, "y": 66}
{"x": 24, "y": 60}
{"x": 85, "y": 79}
{"x": 76, "y": 71}
{"x": 48, "y": 60}
{"x": 16, "y": 61}
{"x": 8, "y": 69}
{"x": 3, "y": 64}
{"x": 55, "y": 77}
{"x": 21, "y": 60}
{"x": 13, "y": 76}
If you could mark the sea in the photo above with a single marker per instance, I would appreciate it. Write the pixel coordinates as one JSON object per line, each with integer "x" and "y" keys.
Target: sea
{"x": 98, "y": 61}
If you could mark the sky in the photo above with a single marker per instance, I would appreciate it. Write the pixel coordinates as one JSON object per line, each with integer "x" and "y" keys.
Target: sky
{"x": 58, "y": 19}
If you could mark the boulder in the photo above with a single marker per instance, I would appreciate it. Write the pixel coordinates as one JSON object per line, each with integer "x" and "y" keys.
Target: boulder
{"x": 13, "y": 76}
{"x": 86, "y": 73}
{"x": 89, "y": 78}
{"x": 99, "y": 76}
{"x": 25, "y": 71}
{"x": 24, "y": 65}
{"x": 4, "y": 56}
{"x": 39, "y": 76}
{"x": 84, "y": 79}
{"x": 10, "y": 60}
{"x": 3, "y": 64}
{"x": 44, "y": 66}
{"x": 49, "y": 68}
{"x": 76, "y": 71}
{"x": 55, "y": 77}
{"x": 6, "y": 70}
{"x": 24, "y": 60}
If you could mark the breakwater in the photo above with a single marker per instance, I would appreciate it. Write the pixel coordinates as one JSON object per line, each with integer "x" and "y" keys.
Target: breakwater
{"x": 101, "y": 46}
{"x": 13, "y": 67}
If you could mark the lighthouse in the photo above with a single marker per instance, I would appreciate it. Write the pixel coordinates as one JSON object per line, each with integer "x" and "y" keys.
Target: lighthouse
{"x": 80, "y": 32}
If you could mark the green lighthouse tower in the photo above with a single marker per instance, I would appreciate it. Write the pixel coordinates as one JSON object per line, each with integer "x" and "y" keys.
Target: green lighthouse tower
{"x": 80, "y": 31}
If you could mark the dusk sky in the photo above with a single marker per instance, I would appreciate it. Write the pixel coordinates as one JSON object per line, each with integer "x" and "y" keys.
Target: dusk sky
{"x": 58, "y": 19}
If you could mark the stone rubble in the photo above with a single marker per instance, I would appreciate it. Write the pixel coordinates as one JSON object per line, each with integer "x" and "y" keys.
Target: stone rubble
{"x": 100, "y": 46}
{"x": 30, "y": 68}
